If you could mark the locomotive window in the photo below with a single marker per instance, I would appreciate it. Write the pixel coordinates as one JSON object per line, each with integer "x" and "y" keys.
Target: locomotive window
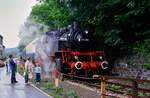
{"x": 84, "y": 58}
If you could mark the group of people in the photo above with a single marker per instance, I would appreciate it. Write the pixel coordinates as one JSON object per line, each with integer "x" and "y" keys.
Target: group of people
{"x": 30, "y": 69}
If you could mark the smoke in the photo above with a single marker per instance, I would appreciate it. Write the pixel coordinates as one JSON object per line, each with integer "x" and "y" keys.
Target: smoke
{"x": 30, "y": 30}
{"x": 47, "y": 45}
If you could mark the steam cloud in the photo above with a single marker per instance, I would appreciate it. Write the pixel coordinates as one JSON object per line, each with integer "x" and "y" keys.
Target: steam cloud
{"x": 30, "y": 30}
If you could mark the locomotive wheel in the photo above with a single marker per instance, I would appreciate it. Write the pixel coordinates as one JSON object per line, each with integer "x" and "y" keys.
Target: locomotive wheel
{"x": 89, "y": 72}
{"x": 79, "y": 72}
{"x": 103, "y": 69}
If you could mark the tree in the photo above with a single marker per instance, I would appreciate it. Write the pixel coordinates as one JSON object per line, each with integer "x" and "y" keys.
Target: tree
{"x": 50, "y": 13}
{"x": 119, "y": 24}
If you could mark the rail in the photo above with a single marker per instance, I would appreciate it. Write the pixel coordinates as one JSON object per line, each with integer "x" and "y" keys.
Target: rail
{"x": 134, "y": 85}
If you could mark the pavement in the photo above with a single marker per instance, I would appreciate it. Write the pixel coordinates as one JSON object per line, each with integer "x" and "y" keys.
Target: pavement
{"x": 18, "y": 90}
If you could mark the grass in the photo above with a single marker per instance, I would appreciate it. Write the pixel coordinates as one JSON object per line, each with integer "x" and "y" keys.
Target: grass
{"x": 126, "y": 91}
{"x": 56, "y": 92}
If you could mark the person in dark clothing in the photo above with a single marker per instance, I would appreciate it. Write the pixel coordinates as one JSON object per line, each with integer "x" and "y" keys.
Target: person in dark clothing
{"x": 13, "y": 68}
{"x": 6, "y": 67}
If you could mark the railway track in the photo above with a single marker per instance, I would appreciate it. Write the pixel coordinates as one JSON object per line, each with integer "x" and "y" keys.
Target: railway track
{"x": 93, "y": 83}
{"x": 121, "y": 85}
{"x": 82, "y": 79}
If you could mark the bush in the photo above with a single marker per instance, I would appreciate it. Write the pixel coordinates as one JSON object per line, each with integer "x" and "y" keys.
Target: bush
{"x": 59, "y": 90}
{"x": 49, "y": 85}
{"x": 147, "y": 65}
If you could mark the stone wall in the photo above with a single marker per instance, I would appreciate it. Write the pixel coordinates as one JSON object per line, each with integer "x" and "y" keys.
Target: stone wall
{"x": 131, "y": 66}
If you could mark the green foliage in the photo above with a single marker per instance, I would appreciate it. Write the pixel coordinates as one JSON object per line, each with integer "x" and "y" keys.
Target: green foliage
{"x": 120, "y": 24}
{"x": 126, "y": 91}
{"x": 147, "y": 65}
{"x": 72, "y": 94}
{"x": 142, "y": 48}
{"x": 57, "y": 96}
{"x": 114, "y": 86}
{"x": 49, "y": 85}
{"x": 141, "y": 94}
{"x": 50, "y": 13}
{"x": 59, "y": 90}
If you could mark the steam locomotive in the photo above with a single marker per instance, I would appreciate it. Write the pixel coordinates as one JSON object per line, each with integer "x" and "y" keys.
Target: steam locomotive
{"x": 73, "y": 51}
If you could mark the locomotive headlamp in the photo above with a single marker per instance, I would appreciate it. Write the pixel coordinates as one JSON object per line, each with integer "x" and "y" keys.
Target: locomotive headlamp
{"x": 79, "y": 39}
{"x": 100, "y": 57}
{"x": 76, "y": 57}
{"x": 69, "y": 34}
{"x": 86, "y": 32}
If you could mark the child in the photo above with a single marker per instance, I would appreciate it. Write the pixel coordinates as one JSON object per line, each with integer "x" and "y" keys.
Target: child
{"x": 37, "y": 71}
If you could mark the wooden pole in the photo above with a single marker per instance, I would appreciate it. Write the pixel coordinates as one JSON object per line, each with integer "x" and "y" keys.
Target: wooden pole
{"x": 135, "y": 89}
{"x": 103, "y": 87}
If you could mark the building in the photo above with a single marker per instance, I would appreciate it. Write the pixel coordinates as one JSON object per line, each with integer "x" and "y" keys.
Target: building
{"x": 1, "y": 46}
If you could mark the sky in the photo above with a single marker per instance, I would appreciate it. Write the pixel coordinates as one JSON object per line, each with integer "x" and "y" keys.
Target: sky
{"x": 13, "y": 14}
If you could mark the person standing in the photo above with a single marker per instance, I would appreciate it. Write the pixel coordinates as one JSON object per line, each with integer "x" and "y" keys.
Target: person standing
{"x": 28, "y": 70}
{"x": 8, "y": 69}
{"x": 7, "y": 64}
{"x": 13, "y": 67}
{"x": 37, "y": 71}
